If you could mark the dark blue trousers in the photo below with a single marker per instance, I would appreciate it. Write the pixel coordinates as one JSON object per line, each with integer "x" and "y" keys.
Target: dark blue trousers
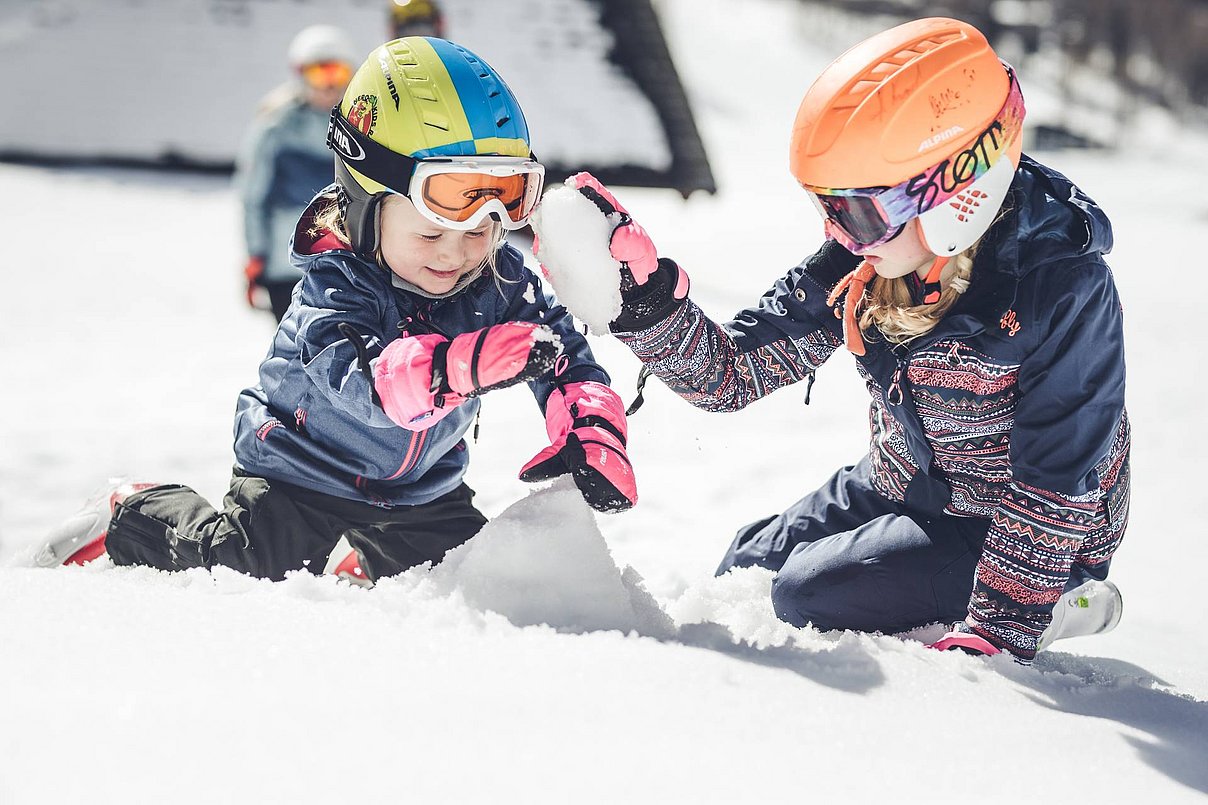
{"x": 848, "y": 558}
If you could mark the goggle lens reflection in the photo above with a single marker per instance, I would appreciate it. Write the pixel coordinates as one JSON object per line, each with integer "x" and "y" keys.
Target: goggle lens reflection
{"x": 327, "y": 74}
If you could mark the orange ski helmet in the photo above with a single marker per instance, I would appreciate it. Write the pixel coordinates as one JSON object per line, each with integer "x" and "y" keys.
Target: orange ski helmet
{"x": 920, "y": 121}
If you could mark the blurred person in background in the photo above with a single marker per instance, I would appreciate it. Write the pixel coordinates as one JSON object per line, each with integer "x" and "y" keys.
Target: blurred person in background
{"x": 411, "y": 307}
{"x": 284, "y": 161}
{"x": 969, "y": 282}
{"x": 416, "y": 18}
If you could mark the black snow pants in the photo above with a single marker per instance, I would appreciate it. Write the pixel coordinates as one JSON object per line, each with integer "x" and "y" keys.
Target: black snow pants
{"x": 268, "y": 527}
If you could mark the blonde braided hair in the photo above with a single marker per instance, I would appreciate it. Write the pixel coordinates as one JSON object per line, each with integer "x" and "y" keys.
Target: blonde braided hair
{"x": 888, "y": 305}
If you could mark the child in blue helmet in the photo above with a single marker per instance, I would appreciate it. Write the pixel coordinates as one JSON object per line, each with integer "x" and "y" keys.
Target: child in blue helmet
{"x": 411, "y": 306}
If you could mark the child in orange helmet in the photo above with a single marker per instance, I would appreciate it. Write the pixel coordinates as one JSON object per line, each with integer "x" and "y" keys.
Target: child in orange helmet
{"x": 969, "y": 282}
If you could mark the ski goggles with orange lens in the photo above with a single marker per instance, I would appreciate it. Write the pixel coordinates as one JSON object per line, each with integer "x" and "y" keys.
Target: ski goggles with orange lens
{"x": 864, "y": 218}
{"x": 457, "y": 192}
{"x": 327, "y": 74}
{"x": 460, "y": 192}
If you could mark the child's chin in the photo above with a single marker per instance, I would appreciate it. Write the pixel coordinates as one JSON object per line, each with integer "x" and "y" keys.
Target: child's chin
{"x": 434, "y": 284}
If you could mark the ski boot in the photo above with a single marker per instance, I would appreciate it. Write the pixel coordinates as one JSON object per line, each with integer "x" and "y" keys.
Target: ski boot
{"x": 1093, "y": 607}
{"x": 345, "y": 563}
{"x": 81, "y": 538}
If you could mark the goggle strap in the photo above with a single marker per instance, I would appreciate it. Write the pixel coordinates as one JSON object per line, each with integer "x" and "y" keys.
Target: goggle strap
{"x": 365, "y": 156}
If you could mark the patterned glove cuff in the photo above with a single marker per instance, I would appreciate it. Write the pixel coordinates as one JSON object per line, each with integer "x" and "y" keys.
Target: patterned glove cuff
{"x": 1021, "y": 646}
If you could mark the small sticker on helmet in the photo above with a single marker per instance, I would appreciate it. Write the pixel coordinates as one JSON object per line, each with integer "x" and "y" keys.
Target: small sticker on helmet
{"x": 363, "y": 112}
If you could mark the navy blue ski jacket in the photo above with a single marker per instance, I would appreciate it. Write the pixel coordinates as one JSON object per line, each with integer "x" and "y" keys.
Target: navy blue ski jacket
{"x": 312, "y": 420}
{"x": 1010, "y": 409}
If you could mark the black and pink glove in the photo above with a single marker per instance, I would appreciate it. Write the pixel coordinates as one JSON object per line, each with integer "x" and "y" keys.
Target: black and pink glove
{"x": 421, "y": 378}
{"x": 587, "y": 431}
{"x": 651, "y": 287}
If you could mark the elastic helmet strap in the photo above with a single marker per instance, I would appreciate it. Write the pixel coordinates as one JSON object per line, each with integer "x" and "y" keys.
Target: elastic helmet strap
{"x": 931, "y": 285}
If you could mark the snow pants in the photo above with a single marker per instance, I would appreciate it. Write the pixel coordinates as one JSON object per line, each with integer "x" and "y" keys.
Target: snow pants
{"x": 268, "y": 527}
{"x": 848, "y": 558}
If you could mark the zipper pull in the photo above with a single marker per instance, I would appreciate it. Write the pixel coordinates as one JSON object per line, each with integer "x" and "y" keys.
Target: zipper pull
{"x": 893, "y": 394}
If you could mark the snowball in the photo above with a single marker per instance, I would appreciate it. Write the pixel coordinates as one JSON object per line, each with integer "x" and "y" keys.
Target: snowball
{"x": 572, "y": 238}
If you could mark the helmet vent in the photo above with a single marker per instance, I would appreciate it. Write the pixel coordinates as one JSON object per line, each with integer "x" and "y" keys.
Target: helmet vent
{"x": 875, "y": 75}
{"x": 436, "y": 121}
{"x": 966, "y": 203}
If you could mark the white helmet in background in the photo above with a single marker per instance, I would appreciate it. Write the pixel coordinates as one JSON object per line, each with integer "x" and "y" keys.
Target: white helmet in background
{"x": 321, "y": 43}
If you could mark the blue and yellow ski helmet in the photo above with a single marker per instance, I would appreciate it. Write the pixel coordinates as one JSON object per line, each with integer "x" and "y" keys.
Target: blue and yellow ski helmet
{"x": 416, "y": 98}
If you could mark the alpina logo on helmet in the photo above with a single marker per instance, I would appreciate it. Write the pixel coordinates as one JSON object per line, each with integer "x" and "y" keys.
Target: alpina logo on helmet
{"x": 384, "y": 63}
{"x": 946, "y": 134}
{"x": 341, "y": 141}
{"x": 960, "y": 169}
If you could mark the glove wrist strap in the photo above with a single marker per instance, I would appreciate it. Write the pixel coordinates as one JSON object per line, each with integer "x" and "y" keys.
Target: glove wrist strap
{"x": 654, "y": 301}
{"x": 595, "y": 421}
{"x": 440, "y": 376}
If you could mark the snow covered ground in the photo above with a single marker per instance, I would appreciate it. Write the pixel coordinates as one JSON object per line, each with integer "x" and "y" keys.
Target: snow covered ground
{"x": 533, "y": 667}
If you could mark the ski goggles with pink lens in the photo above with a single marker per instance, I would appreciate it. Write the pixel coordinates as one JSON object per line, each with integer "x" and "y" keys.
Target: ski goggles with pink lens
{"x": 863, "y": 218}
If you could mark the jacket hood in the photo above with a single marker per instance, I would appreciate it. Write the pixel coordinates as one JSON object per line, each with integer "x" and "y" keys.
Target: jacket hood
{"x": 1055, "y": 220}
{"x": 306, "y": 243}
{"x": 1049, "y": 221}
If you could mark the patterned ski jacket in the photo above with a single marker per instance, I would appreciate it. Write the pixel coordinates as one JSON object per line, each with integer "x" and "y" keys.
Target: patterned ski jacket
{"x": 312, "y": 421}
{"x": 1011, "y": 409}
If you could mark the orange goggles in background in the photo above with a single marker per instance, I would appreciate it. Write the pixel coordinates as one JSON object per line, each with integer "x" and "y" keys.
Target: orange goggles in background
{"x": 327, "y": 74}
{"x": 459, "y": 192}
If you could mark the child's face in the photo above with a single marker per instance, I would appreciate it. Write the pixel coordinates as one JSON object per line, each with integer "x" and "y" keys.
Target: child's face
{"x": 903, "y": 254}
{"x": 428, "y": 255}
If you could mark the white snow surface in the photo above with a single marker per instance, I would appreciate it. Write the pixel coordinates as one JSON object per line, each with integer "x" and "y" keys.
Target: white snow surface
{"x": 572, "y": 245}
{"x": 561, "y": 656}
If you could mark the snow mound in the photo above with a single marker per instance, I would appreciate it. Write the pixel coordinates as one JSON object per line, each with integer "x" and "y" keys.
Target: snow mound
{"x": 572, "y": 241}
{"x": 543, "y": 560}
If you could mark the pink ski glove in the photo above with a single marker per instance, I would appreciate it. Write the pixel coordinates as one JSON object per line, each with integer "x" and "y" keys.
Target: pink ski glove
{"x": 963, "y": 638}
{"x": 587, "y": 430}
{"x": 421, "y": 378}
